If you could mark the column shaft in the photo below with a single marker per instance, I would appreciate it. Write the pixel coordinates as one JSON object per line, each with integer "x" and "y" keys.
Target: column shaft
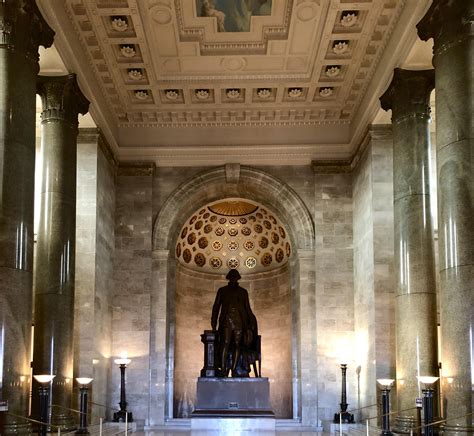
{"x": 416, "y": 324}
{"x": 450, "y": 23}
{"x": 22, "y": 30}
{"x": 55, "y": 255}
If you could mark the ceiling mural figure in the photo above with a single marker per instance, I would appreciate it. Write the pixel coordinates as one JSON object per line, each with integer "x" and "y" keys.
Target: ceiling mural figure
{"x": 233, "y": 15}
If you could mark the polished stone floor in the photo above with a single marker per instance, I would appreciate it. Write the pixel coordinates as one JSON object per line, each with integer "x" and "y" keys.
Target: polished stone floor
{"x": 226, "y": 432}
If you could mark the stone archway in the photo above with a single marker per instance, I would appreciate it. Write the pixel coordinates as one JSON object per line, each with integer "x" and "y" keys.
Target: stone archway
{"x": 246, "y": 182}
{"x": 234, "y": 181}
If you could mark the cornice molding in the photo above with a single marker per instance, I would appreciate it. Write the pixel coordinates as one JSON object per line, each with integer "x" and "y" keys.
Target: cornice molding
{"x": 136, "y": 168}
{"x": 218, "y": 124}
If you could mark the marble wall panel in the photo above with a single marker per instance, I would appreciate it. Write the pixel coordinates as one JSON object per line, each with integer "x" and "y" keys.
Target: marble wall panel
{"x": 94, "y": 261}
{"x": 334, "y": 315}
{"x": 104, "y": 277}
{"x": 373, "y": 264}
{"x": 132, "y": 285}
{"x": 86, "y": 217}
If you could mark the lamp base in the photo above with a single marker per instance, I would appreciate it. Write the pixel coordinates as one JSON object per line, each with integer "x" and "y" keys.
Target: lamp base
{"x": 121, "y": 414}
{"x": 346, "y": 417}
{"x": 82, "y": 431}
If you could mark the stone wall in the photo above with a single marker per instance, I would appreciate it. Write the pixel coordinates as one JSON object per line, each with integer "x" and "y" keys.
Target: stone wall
{"x": 334, "y": 288}
{"x": 132, "y": 282}
{"x": 104, "y": 275}
{"x": 374, "y": 291}
{"x": 328, "y": 315}
{"x": 95, "y": 215}
{"x": 270, "y": 300}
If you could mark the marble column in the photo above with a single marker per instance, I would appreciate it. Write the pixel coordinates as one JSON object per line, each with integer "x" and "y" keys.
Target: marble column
{"x": 55, "y": 250}
{"x": 451, "y": 25}
{"x": 408, "y": 96}
{"x": 22, "y": 31}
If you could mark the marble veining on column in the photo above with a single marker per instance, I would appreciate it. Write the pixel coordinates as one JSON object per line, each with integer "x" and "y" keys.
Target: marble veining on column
{"x": 22, "y": 31}
{"x": 55, "y": 255}
{"x": 408, "y": 97}
{"x": 450, "y": 24}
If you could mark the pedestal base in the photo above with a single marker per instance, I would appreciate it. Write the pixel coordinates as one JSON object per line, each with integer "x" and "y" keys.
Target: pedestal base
{"x": 233, "y": 398}
{"x": 121, "y": 414}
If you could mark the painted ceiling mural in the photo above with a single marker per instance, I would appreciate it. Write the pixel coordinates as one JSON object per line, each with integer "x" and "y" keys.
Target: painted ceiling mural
{"x": 233, "y": 15}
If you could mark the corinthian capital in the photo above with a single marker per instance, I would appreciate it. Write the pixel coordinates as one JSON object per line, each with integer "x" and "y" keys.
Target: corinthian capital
{"x": 409, "y": 93}
{"x": 23, "y": 28}
{"x": 446, "y": 20}
{"x": 62, "y": 98}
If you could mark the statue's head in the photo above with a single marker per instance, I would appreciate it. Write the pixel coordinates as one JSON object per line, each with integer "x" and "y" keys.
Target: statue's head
{"x": 233, "y": 276}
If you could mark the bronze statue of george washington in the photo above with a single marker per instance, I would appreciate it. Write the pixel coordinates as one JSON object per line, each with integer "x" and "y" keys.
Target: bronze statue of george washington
{"x": 237, "y": 326}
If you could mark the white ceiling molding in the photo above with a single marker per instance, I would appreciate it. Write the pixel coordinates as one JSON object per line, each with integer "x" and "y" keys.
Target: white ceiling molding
{"x": 171, "y": 86}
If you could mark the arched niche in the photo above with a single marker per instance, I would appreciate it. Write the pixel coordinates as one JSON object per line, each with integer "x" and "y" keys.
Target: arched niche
{"x": 206, "y": 187}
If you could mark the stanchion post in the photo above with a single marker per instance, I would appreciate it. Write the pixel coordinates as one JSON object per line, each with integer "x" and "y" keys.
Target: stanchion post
{"x": 126, "y": 424}
{"x": 3, "y": 415}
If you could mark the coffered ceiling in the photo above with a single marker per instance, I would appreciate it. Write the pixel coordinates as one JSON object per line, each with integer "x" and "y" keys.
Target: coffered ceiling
{"x": 213, "y": 81}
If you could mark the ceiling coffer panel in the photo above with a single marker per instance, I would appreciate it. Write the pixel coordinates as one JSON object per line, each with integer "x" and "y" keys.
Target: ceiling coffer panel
{"x": 181, "y": 63}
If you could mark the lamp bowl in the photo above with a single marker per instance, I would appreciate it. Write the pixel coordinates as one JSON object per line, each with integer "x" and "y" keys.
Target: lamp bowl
{"x": 44, "y": 378}
{"x": 122, "y": 361}
{"x": 84, "y": 380}
{"x": 427, "y": 380}
{"x": 385, "y": 382}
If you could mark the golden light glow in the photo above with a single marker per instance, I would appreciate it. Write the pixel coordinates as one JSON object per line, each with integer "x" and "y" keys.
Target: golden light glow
{"x": 44, "y": 378}
{"x": 385, "y": 381}
{"x": 233, "y": 208}
{"x": 427, "y": 380}
{"x": 84, "y": 380}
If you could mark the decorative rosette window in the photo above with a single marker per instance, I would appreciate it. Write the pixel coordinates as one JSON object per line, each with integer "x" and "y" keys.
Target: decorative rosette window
{"x": 233, "y": 233}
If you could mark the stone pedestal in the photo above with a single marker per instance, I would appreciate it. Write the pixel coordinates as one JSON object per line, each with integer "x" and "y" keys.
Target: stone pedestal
{"x": 233, "y": 397}
{"x": 208, "y": 338}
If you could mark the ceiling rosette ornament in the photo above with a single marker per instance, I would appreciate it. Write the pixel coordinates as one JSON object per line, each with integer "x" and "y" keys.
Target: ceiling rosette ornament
{"x": 233, "y": 233}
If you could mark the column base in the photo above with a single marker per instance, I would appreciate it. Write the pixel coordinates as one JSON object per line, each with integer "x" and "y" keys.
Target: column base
{"x": 64, "y": 421}
{"x": 14, "y": 428}
{"x": 121, "y": 414}
{"x": 457, "y": 430}
{"x": 403, "y": 424}
{"x": 346, "y": 418}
